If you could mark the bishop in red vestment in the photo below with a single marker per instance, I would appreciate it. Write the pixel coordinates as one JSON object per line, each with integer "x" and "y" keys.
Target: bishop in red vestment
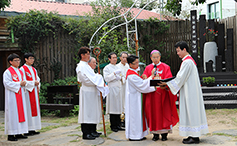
{"x": 159, "y": 106}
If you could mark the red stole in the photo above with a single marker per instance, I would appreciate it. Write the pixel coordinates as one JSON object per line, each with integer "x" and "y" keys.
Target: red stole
{"x": 189, "y": 57}
{"x": 19, "y": 100}
{"x": 131, "y": 72}
{"x": 32, "y": 93}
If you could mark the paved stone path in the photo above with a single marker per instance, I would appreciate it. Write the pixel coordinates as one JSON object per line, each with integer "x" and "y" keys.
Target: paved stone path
{"x": 71, "y": 136}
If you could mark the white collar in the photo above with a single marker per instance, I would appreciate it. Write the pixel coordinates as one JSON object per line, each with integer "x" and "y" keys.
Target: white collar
{"x": 14, "y": 67}
{"x": 185, "y": 56}
{"x": 157, "y": 64}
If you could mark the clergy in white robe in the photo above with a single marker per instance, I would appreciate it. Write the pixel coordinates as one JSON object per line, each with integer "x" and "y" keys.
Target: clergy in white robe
{"x": 89, "y": 99}
{"x": 136, "y": 126}
{"x": 112, "y": 75}
{"x": 193, "y": 122}
{"x": 15, "y": 105}
{"x": 32, "y": 94}
{"x": 123, "y": 65}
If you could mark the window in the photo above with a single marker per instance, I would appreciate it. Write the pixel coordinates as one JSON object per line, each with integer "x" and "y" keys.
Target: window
{"x": 214, "y": 10}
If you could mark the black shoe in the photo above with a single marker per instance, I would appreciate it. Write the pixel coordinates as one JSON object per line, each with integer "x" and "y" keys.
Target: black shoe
{"x": 21, "y": 136}
{"x": 99, "y": 133}
{"x": 95, "y": 134}
{"x": 137, "y": 139}
{"x": 155, "y": 137}
{"x": 88, "y": 137}
{"x": 191, "y": 141}
{"x": 30, "y": 133}
{"x": 114, "y": 129}
{"x": 120, "y": 128}
{"x": 187, "y": 139}
{"x": 164, "y": 136}
{"x": 11, "y": 138}
{"x": 34, "y": 132}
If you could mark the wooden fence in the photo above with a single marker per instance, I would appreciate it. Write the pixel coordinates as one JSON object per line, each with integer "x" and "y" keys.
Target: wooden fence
{"x": 59, "y": 50}
{"x": 62, "y": 48}
{"x": 230, "y": 23}
{"x": 178, "y": 31}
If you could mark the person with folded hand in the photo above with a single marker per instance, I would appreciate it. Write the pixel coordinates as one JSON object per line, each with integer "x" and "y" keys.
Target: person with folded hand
{"x": 112, "y": 75}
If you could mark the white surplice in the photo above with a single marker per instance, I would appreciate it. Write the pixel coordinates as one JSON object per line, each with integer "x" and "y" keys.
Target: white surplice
{"x": 133, "y": 107}
{"x": 114, "y": 98}
{"x": 89, "y": 98}
{"x": 124, "y": 69}
{"x": 34, "y": 123}
{"x": 12, "y": 125}
{"x": 192, "y": 121}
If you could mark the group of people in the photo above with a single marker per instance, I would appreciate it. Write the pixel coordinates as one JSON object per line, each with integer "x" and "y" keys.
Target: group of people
{"x": 145, "y": 107}
{"x": 22, "y": 107}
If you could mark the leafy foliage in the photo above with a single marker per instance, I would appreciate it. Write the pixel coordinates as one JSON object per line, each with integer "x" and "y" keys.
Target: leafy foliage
{"x": 174, "y": 6}
{"x": 4, "y": 4}
{"x": 208, "y": 80}
{"x": 31, "y": 27}
{"x": 150, "y": 41}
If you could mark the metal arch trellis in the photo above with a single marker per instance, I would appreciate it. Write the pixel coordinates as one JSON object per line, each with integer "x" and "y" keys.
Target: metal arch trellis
{"x": 125, "y": 23}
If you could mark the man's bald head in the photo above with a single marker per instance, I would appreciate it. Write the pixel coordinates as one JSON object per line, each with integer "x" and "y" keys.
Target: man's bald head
{"x": 92, "y": 62}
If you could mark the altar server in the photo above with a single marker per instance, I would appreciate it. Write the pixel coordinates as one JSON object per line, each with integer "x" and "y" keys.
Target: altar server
{"x": 123, "y": 65}
{"x": 15, "y": 105}
{"x": 91, "y": 86}
{"x": 32, "y": 94}
{"x": 112, "y": 75}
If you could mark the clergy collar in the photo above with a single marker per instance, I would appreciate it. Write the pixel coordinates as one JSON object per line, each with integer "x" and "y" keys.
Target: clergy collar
{"x": 134, "y": 69}
{"x": 185, "y": 57}
{"x": 84, "y": 62}
{"x": 112, "y": 64}
{"x": 14, "y": 67}
{"x": 27, "y": 65}
{"x": 157, "y": 64}
{"x": 122, "y": 64}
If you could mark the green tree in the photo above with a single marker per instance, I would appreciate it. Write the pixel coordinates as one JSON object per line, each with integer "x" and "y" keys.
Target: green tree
{"x": 174, "y": 6}
{"x": 4, "y": 4}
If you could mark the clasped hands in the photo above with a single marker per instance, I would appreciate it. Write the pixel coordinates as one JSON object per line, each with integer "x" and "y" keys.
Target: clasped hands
{"x": 117, "y": 74}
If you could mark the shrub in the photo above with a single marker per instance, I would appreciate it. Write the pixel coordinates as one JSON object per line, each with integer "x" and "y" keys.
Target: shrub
{"x": 208, "y": 80}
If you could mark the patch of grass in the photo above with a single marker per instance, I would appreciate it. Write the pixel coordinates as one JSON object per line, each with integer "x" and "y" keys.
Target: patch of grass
{"x": 223, "y": 122}
{"x": 79, "y": 127}
{"x": 107, "y": 128}
{"x": 2, "y": 128}
{"x": 74, "y": 135}
{"x": 44, "y": 129}
{"x": 234, "y": 120}
{"x": 222, "y": 134}
{"x": 76, "y": 140}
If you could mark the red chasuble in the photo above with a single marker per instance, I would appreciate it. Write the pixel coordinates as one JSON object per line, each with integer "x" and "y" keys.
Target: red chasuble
{"x": 32, "y": 93}
{"x": 159, "y": 106}
{"x": 19, "y": 100}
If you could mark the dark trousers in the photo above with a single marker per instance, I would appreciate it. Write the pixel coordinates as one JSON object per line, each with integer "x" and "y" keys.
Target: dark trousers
{"x": 114, "y": 120}
{"x": 88, "y": 128}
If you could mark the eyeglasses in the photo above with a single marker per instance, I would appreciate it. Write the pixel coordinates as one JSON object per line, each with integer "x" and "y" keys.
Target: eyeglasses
{"x": 155, "y": 57}
{"x": 135, "y": 63}
{"x": 16, "y": 60}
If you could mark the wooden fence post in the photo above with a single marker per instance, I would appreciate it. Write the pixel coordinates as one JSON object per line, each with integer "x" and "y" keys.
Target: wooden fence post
{"x": 202, "y": 39}
{"x": 221, "y": 40}
{"x": 229, "y": 51}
